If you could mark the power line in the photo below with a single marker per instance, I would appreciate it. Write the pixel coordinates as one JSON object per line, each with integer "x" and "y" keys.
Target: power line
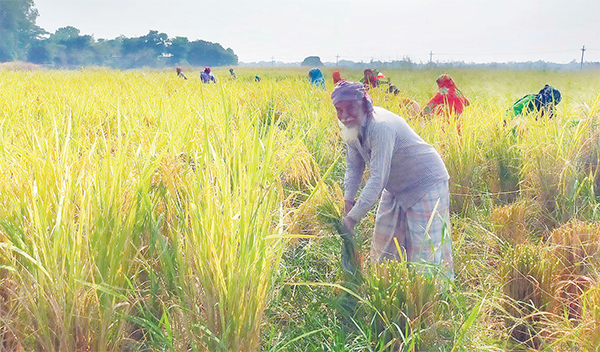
{"x": 522, "y": 53}
{"x": 431, "y": 53}
{"x": 383, "y": 58}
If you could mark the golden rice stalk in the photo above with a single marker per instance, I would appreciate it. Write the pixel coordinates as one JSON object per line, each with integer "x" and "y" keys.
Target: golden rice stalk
{"x": 510, "y": 222}
{"x": 299, "y": 170}
{"x": 405, "y": 302}
{"x": 321, "y": 210}
{"x": 576, "y": 246}
{"x": 589, "y": 338}
{"x": 527, "y": 273}
{"x": 589, "y": 158}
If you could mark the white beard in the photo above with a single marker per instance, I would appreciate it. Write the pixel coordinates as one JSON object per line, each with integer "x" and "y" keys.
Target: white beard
{"x": 349, "y": 135}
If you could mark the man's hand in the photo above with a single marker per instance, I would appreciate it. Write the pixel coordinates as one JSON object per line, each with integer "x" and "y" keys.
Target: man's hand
{"x": 348, "y": 204}
{"x": 348, "y": 224}
{"x": 350, "y": 252}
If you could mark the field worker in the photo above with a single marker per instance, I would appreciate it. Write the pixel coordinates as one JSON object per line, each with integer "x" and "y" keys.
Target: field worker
{"x": 232, "y": 73}
{"x": 316, "y": 78}
{"x": 542, "y": 103}
{"x": 207, "y": 77}
{"x": 411, "y": 107}
{"x": 256, "y": 78}
{"x": 370, "y": 79}
{"x": 448, "y": 100}
{"x": 179, "y": 71}
{"x": 546, "y": 100}
{"x": 337, "y": 77}
{"x": 406, "y": 173}
{"x": 392, "y": 89}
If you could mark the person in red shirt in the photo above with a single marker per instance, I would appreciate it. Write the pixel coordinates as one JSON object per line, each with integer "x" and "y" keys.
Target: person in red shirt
{"x": 370, "y": 79}
{"x": 449, "y": 100}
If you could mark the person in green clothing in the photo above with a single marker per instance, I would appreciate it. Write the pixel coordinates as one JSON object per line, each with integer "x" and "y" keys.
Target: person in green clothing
{"x": 525, "y": 103}
{"x": 542, "y": 104}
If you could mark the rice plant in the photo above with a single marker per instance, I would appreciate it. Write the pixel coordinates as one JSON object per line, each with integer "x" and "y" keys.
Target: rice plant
{"x": 406, "y": 306}
{"x": 576, "y": 246}
{"x": 527, "y": 273}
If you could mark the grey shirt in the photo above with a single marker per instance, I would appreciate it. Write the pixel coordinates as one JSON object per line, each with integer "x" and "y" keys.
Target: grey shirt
{"x": 399, "y": 161}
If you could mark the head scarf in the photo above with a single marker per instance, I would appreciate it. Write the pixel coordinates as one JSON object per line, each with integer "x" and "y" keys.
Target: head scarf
{"x": 178, "y": 69}
{"x": 445, "y": 81}
{"x": 549, "y": 95}
{"x": 207, "y": 69}
{"x": 337, "y": 77}
{"x": 546, "y": 100}
{"x": 448, "y": 99}
{"x": 370, "y": 78}
{"x": 315, "y": 74}
{"x": 345, "y": 90}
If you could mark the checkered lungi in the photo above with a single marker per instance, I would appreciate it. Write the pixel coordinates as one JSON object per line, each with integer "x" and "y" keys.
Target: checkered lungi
{"x": 422, "y": 231}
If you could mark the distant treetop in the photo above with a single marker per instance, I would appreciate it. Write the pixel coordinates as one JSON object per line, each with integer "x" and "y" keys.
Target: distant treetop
{"x": 312, "y": 61}
{"x": 22, "y": 39}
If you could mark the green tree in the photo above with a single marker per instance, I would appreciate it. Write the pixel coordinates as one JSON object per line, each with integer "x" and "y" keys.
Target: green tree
{"x": 107, "y": 52}
{"x": 17, "y": 28}
{"x": 144, "y": 51}
{"x": 70, "y": 48}
{"x": 179, "y": 49}
{"x": 203, "y": 53}
{"x": 157, "y": 42}
{"x": 39, "y": 53}
{"x": 64, "y": 34}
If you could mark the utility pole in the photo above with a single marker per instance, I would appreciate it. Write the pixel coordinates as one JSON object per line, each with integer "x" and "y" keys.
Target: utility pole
{"x": 337, "y": 60}
{"x": 582, "y": 51}
{"x": 430, "y": 56}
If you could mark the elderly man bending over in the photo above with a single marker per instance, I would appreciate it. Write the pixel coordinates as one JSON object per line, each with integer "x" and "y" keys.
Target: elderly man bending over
{"x": 406, "y": 172}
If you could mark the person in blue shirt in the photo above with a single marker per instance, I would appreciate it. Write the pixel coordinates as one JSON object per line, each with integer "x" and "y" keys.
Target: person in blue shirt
{"x": 207, "y": 77}
{"x": 316, "y": 77}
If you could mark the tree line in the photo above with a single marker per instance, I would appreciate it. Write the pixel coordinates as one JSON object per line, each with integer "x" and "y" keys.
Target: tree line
{"x": 21, "y": 39}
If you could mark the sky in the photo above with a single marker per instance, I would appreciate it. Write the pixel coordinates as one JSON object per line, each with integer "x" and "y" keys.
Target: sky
{"x": 289, "y": 31}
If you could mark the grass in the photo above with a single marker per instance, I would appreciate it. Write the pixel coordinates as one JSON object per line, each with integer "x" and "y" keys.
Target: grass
{"x": 142, "y": 212}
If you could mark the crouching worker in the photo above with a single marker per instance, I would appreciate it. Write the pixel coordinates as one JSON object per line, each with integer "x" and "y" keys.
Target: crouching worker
{"x": 410, "y": 106}
{"x": 542, "y": 104}
{"x": 337, "y": 77}
{"x": 448, "y": 99}
{"x": 406, "y": 173}
{"x": 316, "y": 78}
{"x": 180, "y": 73}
